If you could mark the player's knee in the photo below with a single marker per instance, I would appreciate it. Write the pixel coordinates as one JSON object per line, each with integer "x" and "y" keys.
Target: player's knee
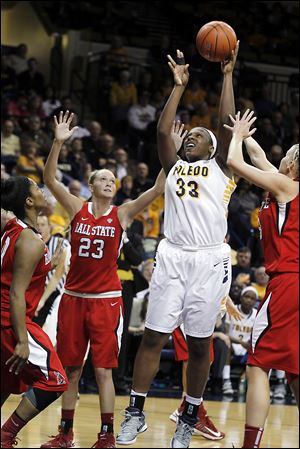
{"x": 103, "y": 375}
{"x": 198, "y": 347}
{"x": 153, "y": 340}
{"x": 74, "y": 373}
{"x": 40, "y": 399}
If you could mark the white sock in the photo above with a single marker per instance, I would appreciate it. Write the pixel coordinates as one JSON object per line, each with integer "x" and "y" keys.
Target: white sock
{"x": 226, "y": 372}
{"x": 194, "y": 401}
{"x": 134, "y": 393}
{"x": 280, "y": 374}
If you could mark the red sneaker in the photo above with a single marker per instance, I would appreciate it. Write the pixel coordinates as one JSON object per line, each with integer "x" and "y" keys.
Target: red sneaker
{"x": 8, "y": 439}
{"x": 174, "y": 416}
{"x": 205, "y": 427}
{"x": 61, "y": 439}
{"x": 105, "y": 439}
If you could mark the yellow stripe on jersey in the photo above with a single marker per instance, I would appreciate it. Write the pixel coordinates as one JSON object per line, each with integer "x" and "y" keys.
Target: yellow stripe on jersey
{"x": 229, "y": 189}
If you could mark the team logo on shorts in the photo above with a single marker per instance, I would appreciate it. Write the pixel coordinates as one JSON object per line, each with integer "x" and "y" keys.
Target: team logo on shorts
{"x": 59, "y": 378}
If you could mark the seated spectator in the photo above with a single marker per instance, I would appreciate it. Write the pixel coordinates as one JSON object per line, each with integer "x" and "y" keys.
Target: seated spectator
{"x": 35, "y": 106}
{"x": 243, "y": 264}
{"x": 141, "y": 181}
{"x": 30, "y": 163}
{"x": 139, "y": 116}
{"x": 239, "y": 333}
{"x": 116, "y": 57}
{"x": 125, "y": 190}
{"x": 64, "y": 164}
{"x": 77, "y": 159}
{"x": 108, "y": 145}
{"x": 121, "y": 158}
{"x": 18, "y": 109}
{"x": 31, "y": 80}
{"x": 193, "y": 95}
{"x": 8, "y": 78}
{"x": 80, "y": 131}
{"x": 236, "y": 290}
{"x": 151, "y": 224}
{"x": 261, "y": 280}
{"x": 50, "y": 102}
{"x": 66, "y": 105}
{"x": 10, "y": 144}
{"x": 37, "y": 135}
{"x": 201, "y": 116}
{"x": 92, "y": 144}
{"x": 123, "y": 94}
{"x": 18, "y": 60}
{"x": 275, "y": 155}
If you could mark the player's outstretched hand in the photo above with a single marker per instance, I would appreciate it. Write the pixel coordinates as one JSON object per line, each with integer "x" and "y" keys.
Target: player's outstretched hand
{"x": 178, "y": 134}
{"x": 232, "y": 310}
{"x": 19, "y": 358}
{"x": 180, "y": 69}
{"x": 62, "y": 126}
{"x": 241, "y": 126}
{"x": 228, "y": 65}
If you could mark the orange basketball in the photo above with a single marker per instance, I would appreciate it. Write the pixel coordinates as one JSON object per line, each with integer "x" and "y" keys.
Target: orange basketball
{"x": 215, "y": 41}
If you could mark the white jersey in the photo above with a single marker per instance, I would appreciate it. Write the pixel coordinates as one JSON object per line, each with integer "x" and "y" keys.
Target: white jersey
{"x": 196, "y": 203}
{"x": 241, "y": 329}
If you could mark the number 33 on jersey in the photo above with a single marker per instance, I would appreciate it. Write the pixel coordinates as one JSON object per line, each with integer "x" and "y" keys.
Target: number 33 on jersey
{"x": 96, "y": 244}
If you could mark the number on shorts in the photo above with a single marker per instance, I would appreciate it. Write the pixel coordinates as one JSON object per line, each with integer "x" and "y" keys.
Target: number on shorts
{"x": 85, "y": 246}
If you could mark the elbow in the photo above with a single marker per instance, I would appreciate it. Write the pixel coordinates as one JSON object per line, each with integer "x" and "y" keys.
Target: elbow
{"x": 230, "y": 162}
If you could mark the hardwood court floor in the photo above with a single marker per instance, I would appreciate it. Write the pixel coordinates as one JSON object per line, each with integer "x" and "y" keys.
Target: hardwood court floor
{"x": 281, "y": 431}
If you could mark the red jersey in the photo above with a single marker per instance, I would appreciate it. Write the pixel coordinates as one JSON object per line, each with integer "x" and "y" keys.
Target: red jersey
{"x": 279, "y": 224}
{"x": 36, "y": 287}
{"x": 95, "y": 247}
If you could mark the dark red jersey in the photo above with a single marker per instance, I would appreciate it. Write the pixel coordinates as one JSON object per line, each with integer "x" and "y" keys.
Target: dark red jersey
{"x": 280, "y": 235}
{"x": 95, "y": 246}
{"x": 36, "y": 287}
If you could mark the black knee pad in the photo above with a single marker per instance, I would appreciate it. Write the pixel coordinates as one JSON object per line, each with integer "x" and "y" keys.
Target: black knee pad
{"x": 40, "y": 399}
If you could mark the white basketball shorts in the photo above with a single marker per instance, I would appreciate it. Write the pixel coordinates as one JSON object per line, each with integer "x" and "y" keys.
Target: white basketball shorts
{"x": 187, "y": 286}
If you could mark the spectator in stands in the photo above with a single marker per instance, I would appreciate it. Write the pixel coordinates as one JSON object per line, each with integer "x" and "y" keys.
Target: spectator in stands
{"x": 141, "y": 182}
{"x": 78, "y": 159}
{"x": 66, "y": 105}
{"x": 193, "y": 95}
{"x": 260, "y": 282}
{"x": 8, "y": 78}
{"x": 18, "y": 109}
{"x": 151, "y": 224}
{"x": 10, "y": 144}
{"x": 85, "y": 191}
{"x": 18, "y": 60}
{"x": 275, "y": 155}
{"x": 235, "y": 291}
{"x": 37, "y": 135}
{"x": 4, "y": 174}
{"x": 139, "y": 116}
{"x": 31, "y": 80}
{"x": 64, "y": 164}
{"x": 125, "y": 190}
{"x": 239, "y": 333}
{"x": 80, "y": 131}
{"x": 107, "y": 145}
{"x": 116, "y": 57}
{"x": 50, "y": 102}
{"x": 35, "y": 106}
{"x": 123, "y": 94}
{"x": 121, "y": 158}
{"x": 92, "y": 144}
{"x": 243, "y": 264}
{"x": 30, "y": 163}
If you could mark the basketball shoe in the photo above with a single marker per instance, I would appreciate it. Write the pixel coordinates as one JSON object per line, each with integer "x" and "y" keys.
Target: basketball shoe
{"x": 183, "y": 434}
{"x": 133, "y": 424}
{"x": 205, "y": 427}
{"x": 105, "y": 439}
{"x": 8, "y": 439}
{"x": 61, "y": 439}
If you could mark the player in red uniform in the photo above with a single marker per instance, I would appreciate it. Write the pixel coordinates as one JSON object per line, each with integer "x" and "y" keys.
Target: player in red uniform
{"x": 27, "y": 355}
{"x": 274, "y": 342}
{"x": 91, "y": 309}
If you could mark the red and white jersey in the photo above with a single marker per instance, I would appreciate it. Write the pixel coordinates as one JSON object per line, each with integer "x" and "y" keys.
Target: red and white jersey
{"x": 36, "y": 287}
{"x": 95, "y": 247}
{"x": 197, "y": 195}
{"x": 279, "y": 224}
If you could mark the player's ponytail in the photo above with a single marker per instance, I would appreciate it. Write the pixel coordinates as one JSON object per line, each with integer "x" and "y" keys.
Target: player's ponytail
{"x": 14, "y": 192}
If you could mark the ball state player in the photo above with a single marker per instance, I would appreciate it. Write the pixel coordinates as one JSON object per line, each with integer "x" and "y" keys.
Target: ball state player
{"x": 274, "y": 342}
{"x": 91, "y": 309}
{"x": 27, "y": 354}
{"x": 192, "y": 273}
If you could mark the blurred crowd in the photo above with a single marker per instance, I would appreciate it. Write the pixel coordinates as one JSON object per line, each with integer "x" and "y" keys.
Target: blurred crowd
{"x": 125, "y": 143}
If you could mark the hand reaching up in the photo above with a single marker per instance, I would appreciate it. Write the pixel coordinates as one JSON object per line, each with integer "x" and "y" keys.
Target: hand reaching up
{"x": 179, "y": 69}
{"x": 62, "y": 126}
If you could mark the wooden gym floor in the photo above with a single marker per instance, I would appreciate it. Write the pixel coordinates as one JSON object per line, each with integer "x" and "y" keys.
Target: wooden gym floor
{"x": 282, "y": 430}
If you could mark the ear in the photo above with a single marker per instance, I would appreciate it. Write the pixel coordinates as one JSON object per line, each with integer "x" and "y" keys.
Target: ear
{"x": 29, "y": 202}
{"x": 91, "y": 188}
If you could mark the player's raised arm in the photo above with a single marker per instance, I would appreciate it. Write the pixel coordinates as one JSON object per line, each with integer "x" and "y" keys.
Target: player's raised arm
{"x": 258, "y": 156}
{"x": 70, "y": 202}
{"x": 227, "y": 105}
{"x": 165, "y": 144}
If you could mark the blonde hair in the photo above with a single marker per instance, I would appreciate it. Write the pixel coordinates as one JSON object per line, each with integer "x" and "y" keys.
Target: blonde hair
{"x": 95, "y": 173}
{"x": 295, "y": 157}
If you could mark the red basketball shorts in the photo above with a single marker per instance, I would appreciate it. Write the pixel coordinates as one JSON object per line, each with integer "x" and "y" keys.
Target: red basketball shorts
{"x": 275, "y": 334}
{"x": 98, "y": 321}
{"x": 44, "y": 369}
{"x": 181, "y": 349}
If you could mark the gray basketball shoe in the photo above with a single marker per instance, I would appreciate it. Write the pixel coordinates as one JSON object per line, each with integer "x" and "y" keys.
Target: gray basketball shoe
{"x": 133, "y": 424}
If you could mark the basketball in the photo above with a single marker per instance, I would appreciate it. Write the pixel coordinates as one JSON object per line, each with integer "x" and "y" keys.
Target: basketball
{"x": 215, "y": 41}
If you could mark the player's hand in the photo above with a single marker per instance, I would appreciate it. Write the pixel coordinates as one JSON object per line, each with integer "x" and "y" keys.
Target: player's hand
{"x": 227, "y": 66}
{"x": 180, "y": 70}
{"x": 178, "y": 134}
{"x": 232, "y": 310}
{"x": 19, "y": 358}
{"x": 62, "y": 126}
{"x": 241, "y": 126}
{"x": 245, "y": 344}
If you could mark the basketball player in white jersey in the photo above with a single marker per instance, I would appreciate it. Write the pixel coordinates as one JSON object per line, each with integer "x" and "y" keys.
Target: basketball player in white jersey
{"x": 192, "y": 272}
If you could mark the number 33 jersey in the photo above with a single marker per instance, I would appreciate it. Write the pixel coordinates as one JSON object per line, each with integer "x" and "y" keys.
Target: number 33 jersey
{"x": 196, "y": 202}
{"x": 95, "y": 247}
